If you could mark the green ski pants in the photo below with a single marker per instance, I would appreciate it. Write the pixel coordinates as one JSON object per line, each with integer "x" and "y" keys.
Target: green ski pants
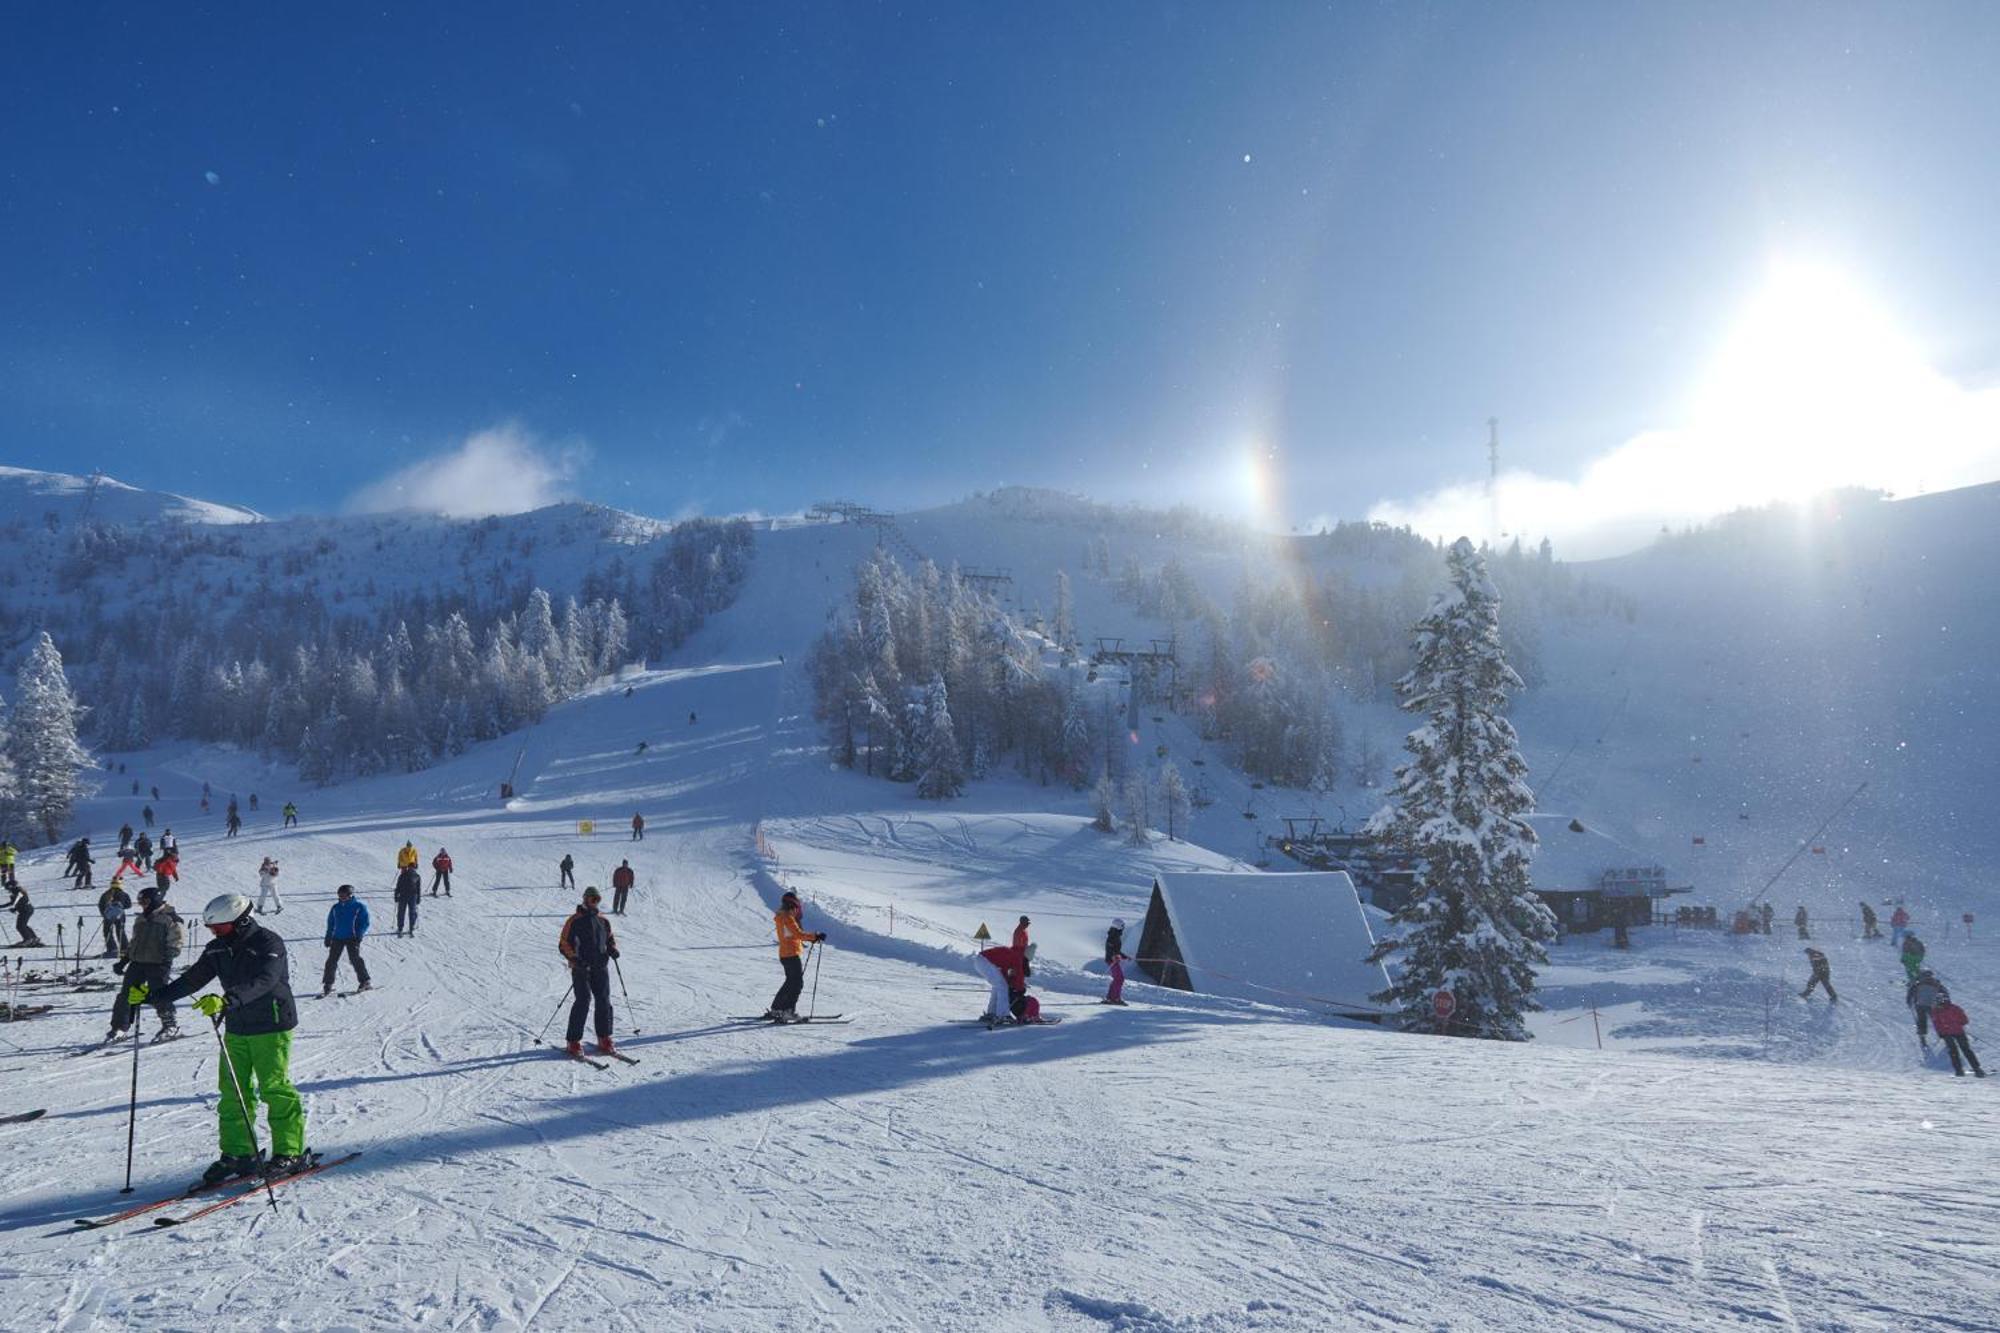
{"x": 263, "y": 1064}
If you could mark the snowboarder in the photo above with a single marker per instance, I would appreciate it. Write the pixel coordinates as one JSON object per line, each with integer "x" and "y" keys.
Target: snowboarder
{"x": 1005, "y": 971}
{"x": 1913, "y": 955}
{"x": 233, "y": 825}
{"x": 621, "y": 887}
{"x": 1899, "y": 922}
{"x": 146, "y": 814}
{"x": 1821, "y": 976}
{"x": 257, "y": 1013}
{"x": 77, "y": 867}
{"x": 1923, "y": 995}
{"x": 1800, "y": 920}
{"x": 406, "y": 857}
{"x": 23, "y": 910}
{"x": 441, "y": 872}
{"x": 1021, "y": 935}
{"x": 568, "y": 867}
{"x": 291, "y": 815}
{"x": 789, "y": 922}
{"x": 586, "y": 942}
{"x": 112, "y": 905}
{"x": 409, "y": 893}
{"x": 267, "y": 886}
{"x": 1870, "y": 930}
{"x": 144, "y": 847}
{"x": 1114, "y": 958}
{"x": 166, "y": 871}
{"x": 638, "y": 828}
{"x": 1950, "y": 1021}
{"x": 346, "y": 927}
{"x": 157, "y": 937}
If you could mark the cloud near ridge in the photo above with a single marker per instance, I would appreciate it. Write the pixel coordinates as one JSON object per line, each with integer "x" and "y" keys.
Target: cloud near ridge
{"x": 500, "y": 470}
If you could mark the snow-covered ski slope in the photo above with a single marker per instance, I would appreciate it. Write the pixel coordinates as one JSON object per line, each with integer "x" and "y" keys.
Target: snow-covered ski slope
{"x": 1182, "y": 1164}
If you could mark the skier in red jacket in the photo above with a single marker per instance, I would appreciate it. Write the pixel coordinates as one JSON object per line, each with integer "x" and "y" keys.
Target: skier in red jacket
{"x": 1021, "y": 936}
{"x": 441, "y": 872}
{"x": 1950, "y": 1021}
{"x": 1004, "y": 969}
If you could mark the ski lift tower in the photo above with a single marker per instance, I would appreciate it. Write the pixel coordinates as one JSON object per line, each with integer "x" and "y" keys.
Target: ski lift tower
{"x": 1493, "y": 482}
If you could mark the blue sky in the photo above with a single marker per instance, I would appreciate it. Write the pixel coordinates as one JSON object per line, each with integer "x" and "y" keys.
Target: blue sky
{"x": 749, "y": 256}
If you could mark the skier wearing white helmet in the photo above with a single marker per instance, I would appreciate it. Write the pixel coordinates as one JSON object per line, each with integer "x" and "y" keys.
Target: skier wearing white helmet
{"x": 256, "y": 1014}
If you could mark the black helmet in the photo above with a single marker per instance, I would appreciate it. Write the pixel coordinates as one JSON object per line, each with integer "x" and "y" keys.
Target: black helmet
{"x": 789, "y": 897}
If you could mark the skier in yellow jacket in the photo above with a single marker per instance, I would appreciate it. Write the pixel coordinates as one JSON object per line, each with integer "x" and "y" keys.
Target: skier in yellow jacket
{"x": 407, "y": 858}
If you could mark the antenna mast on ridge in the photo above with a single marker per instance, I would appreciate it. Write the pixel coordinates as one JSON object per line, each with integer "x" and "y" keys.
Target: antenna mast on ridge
{"x": 1493, "y": 481}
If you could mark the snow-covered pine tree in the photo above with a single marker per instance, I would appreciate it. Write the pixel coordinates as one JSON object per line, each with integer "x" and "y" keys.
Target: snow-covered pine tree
{"x": 1138, "y": 807}
{"x": 10, "y": 780}
{"x": 46, "y": 755}
{"x": 1473, "y": 926}
{"x": 1104, "y": 801}
{"x": 940, "y": 769}
{"x": 1174, "y": 798}
{"x": 1065, "y": 618}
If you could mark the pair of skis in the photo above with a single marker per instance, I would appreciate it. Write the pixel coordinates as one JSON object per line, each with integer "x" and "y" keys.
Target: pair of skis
{"x": 230, "y": 1191}
{"x": 594, "y": 1064}
{"x": 787, "y": 1022}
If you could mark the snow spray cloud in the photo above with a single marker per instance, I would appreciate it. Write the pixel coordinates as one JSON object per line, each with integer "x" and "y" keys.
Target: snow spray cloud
{"x": 502, "y": 470}
{"x": 1813, "y": 389}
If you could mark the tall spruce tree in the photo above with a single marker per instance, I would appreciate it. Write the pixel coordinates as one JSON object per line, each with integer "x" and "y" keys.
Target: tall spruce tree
{"x": 1473, "y": 926}
{"x": 46, "y": 755}
{"x": 940, "y": 769}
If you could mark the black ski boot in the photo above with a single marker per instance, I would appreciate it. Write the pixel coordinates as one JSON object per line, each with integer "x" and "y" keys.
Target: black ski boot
{"x": 229, "y": 1167}
{"x": 279, "y": 1167}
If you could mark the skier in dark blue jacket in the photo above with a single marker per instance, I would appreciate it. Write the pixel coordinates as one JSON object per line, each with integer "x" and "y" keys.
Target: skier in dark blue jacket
{"x": 346, "y": 927}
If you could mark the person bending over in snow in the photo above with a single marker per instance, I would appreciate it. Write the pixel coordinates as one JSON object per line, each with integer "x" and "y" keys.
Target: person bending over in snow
{"x": 257, "y": 1014}
{"x": 789, "y": 922}
{"x": 1950, "y": 1021}
{"x": 587, "y": 944}
{"x": 1004, "y": 969}
{"x": 1821, "y": 976}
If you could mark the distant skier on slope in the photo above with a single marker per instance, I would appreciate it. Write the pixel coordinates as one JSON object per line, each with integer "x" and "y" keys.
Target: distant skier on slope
{"x": 1899, "y": 922}
{"x": 409, "y": 895}
{"x": 1114, "y": 958}
{"x": 622, "y": 880}
{"x": 112, "y": 905}
{"x": 23, "y": 910}
{"x": 1923, "y": 995}
{"x": 233, "y": 825}
{"x": 1764, "y": 915}
{"x": 144, "y": 847}
{"x": 146, "y": 816}
{"x": 1870, "y": 929}
{"x": 124, "y": 838}
{"x": 1021, "y": 935}
{"x": 267, "y": 886}
{"x": 568, "y": 867}
{"x": 441, "y": 872}
{"x": 169, "y": 844}
{"x": 406, "y": 857}
{"x": 77, "y": 867}
{"x": 166, "y": 871}
{"x": 1822, "y": 975}
{"x": 291, "y": 815}
{"x": 586, "y": 942}
{"x": 258, "y": 1014}
{"x": 346, "y": 928}
{"x": 1801, "y": 920}
{"x": 1913, "y": 955}
{"x": 789, "y": 923}
{"x": 157, "y": 938}
{"x": 1950, "y": 1021}
{"x": 638, "y": 828}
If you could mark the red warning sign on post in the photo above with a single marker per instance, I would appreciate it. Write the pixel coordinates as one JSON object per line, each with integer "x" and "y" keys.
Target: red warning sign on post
{"x": 1442, "y": 1005}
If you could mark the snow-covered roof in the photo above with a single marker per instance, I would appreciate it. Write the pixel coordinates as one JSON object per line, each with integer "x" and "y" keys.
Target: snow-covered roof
{"x": 1574, "y": 857}
{"x": 1280, "y": 938}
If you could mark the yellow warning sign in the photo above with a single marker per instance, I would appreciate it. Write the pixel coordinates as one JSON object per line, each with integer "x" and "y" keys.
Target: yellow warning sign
{"x": 586, "y": 827}
{"x": 982, "y": 933}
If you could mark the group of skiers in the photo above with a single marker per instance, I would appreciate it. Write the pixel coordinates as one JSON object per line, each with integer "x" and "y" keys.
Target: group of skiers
{"x": 1925, "y": 995}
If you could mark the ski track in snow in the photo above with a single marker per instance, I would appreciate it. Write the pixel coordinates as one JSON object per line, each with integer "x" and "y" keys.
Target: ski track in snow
{"x": 1180, "y": 1165}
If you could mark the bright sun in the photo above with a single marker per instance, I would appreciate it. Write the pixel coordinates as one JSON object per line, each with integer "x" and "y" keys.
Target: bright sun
{"x": 1815, "y": 386}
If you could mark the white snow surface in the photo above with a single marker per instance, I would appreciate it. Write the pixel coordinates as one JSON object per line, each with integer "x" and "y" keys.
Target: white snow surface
{"x": 1736, "y": 1158}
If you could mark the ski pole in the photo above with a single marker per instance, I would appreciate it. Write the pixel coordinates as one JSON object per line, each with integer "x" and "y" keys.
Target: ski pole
{"x": 812, "y": 1006}
{"x": 243, "y": 1105}
{"x": 551, "y": 1023}
{"x": 132, "y": 1108}
{"x": 622, "y": 991}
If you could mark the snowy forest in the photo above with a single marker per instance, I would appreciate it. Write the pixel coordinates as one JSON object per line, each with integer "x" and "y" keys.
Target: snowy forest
{"x": 353, "y": 685}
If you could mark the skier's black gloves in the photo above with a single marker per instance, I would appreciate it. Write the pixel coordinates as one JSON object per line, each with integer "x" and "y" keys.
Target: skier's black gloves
{"x": 118, "y": 968}
{"x": 820, "y": 938}
{"x": 614, "y": 953}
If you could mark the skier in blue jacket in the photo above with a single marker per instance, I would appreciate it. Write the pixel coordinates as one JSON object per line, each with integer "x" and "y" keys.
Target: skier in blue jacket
{"x": 346, "y": 927}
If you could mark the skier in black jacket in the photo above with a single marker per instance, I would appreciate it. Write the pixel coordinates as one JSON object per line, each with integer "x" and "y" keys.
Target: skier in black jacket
{"x": 587, "y": 943}
{"x": 409, "y": 894}
{"x": 257, "y": 1014}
